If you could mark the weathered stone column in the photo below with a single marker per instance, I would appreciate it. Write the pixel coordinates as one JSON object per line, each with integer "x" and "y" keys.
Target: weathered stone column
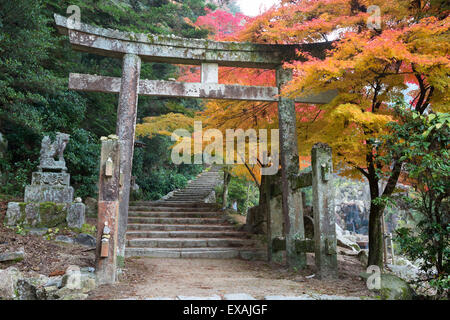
{"x": 108, "y": 210}
{"x": 126, "y": 127}
{"x": 275, "y": 229}
{"x": 292, "y": 202}
{"x": 323, "y": 209}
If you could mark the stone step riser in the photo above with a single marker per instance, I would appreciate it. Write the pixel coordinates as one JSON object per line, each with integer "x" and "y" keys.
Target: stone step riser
{"x": 162, "y": 227}
{"x": 169, "y": 209}
{"x": 187, "y": 197}
{"x": 173, "y": 205}
{"x": 178, "y": 201}
{"x": 185, "y": 234}
{"x": 193, "y": 192}
{"x": 223, "y": 253}
{"x": 189, "y": 243}
{"x": 174, "y": 214}
{"x": 175, "y": 220}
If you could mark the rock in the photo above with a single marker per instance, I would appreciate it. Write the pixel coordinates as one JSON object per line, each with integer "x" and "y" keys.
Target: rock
{"x": 343, "y": 241}
{"x": 64, "y": 239}
{"x": 75, "y": 215}
{"x": 339, "y": 229}
{"x": 14, "y": 214}
{"x": 392, "y": 287}
{"x": 363, "y": 257}
{"x": 27, "y": 290}
{"x": 8, "y": 281}
{"x": 88, "y": 269}
{"x": 54, "y": 282}
{"x": 88, "y": 285}
{"x": 408, "y": 272}
{"x": 50, "y": 292}
{"x": 85, "y": 240}
{"x": 37, "y": 231}
{"x": 238, "y": 296}
{"x": 348, "y": 252}
{"x": 74, "y": 279}
{"x": 395, "y": 288}
{"x": 78, "y": 200}
{"x": 12, "y": 256}
{"x": 91, "y": 207}
{"x": 69, "y": 294}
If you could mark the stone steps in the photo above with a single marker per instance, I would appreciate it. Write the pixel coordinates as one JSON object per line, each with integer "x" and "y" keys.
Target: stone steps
{"x": 183, "y": 226}
{"x": 202, "y": 253}
{"x": 179, "y": 227}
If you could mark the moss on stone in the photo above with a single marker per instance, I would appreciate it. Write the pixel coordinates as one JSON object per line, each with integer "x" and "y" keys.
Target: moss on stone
{"x": 120, "y": 262}
{"x": 52, "y": 214}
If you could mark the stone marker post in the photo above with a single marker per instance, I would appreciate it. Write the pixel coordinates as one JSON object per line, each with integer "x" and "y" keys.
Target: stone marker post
{"x": 292, "y": 200}
{"x": 126, "y": 127}
{"x": 323, "y": 210}
{"x": 108, "y": 210}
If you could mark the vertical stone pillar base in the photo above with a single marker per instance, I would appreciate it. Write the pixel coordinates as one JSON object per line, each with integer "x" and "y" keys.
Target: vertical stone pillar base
{"x": 108, "y": 211}
{"x": 323, "y": 208}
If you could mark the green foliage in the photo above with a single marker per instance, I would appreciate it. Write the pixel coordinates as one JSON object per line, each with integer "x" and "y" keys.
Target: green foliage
{"x": 421, "y": 142}
{"x": 51, "y": 233}
{"x": 34, "y": 98}
{"x": 155, "y": 174}
{"x": 20, "y": 230}
{"x": 82, "y": 156}
{"x": 89, "y": 229}
{"x": 244, "y": 192}
{"x": 14, "y": 182}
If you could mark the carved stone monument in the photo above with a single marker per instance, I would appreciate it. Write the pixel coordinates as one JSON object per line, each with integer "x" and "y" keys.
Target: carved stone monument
{"x": 51, "y": 183}
{"x": 48, "y": 201}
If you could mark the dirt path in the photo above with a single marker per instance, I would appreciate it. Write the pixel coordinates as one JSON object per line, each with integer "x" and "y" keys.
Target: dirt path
{"x": 150, "y": 278}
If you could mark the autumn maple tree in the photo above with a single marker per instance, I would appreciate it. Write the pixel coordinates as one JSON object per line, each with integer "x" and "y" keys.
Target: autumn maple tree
{"x": 405, "y": 47}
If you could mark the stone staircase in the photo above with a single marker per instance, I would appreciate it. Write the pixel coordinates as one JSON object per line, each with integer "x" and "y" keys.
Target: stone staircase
{"x": 184, "y": 226}
{"x": 198, "y": 189}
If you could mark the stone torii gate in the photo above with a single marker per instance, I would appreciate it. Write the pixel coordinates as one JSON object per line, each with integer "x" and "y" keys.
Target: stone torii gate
{"x": 133, "y": 48}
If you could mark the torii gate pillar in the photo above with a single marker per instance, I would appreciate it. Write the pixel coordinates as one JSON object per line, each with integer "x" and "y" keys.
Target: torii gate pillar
{"x": 292, "y": 200}
{"x": 126, "y": 127}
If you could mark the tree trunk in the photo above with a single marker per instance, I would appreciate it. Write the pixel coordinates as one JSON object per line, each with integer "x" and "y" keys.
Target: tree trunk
{"x": 375, "y": 236}
{"x": 226, "y": 181}
{"x": 247, "y": 198}
{"x": 377, "y": 210}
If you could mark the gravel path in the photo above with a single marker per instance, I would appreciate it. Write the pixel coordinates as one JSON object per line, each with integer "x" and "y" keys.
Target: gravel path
{"x": 215, "y": 279}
